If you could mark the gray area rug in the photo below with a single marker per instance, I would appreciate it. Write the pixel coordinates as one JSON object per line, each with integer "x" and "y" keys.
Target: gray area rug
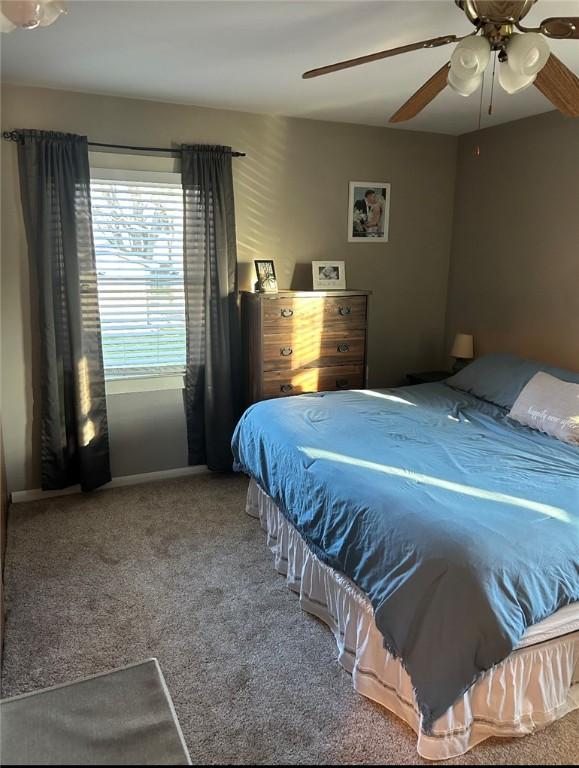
{"x": 121, "y": 717}
{"x": 176, "y": 570}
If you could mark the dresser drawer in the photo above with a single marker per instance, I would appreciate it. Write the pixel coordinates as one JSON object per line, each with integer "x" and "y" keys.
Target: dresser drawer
{"x": 284, "y": 383}
{"x": 308, "y": 348}
{"x": 288, "y": 312}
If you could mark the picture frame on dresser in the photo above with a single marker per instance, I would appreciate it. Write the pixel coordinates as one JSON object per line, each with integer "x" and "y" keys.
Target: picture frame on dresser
{"x": 266, "y": 278}
{"x": 328, "y": 275}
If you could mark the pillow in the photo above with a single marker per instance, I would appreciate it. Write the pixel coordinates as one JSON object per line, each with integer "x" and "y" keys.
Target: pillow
{"x": 549, "y": 405}
{"x": 499, "y": 378}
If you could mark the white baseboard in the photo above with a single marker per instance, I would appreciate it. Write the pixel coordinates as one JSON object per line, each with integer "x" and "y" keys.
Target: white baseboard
{"x": 37, "y": 494}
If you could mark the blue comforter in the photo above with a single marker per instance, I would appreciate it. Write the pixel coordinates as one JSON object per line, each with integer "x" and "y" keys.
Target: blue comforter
{"x": 461, "y": 527}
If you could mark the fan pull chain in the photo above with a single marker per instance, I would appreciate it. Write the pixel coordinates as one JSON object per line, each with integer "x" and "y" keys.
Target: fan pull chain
{"x": 482, "y": 89}
{"x": 493, "y": 84}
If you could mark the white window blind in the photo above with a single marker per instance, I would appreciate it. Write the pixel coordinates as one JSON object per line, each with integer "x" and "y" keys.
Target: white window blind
{"x": 138, "y": 234}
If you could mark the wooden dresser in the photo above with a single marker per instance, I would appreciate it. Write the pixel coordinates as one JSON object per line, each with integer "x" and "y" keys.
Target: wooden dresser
{"x": 303, "y": 341}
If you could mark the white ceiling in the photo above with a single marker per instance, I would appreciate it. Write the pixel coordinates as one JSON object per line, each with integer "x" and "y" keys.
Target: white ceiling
{"x": 250, "y": 55}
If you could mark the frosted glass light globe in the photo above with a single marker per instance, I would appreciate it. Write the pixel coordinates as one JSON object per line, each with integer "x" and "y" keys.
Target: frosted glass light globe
{"x": 29, "y": 14}
{"x": 464, "y": 87}
{"x": 512, "y": 82}
{"x": 50, "y": 11}
{"x": 528, "y": 53}
{"x": 470, "y": 57}
{"x": 22, "y": 13}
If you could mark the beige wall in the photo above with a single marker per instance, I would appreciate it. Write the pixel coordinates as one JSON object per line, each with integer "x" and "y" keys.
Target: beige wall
{"x": 291, "y": 200}
{"x": 514, "y": 280}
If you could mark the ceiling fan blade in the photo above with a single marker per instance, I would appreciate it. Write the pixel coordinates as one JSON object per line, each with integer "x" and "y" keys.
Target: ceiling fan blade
{"x": 423, "y": 96}
{"x": 434, "y": 42}
{"x": 561, "y": 86}
{"x": 561, "y": 28}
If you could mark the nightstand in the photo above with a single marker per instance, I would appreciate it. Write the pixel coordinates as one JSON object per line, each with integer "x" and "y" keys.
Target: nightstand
{"x": 427, "y": 377}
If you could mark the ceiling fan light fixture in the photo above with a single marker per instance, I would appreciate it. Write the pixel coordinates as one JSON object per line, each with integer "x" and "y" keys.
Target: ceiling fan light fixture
{"x": 470, "y": 57}
{"x": 51, "y": 11}
{"x": 527, "y": 53}
{"x": 462, "y": 86}
{"x": 25, "y": 14}
{"x": 512, "y": 82}
{"x": 22, "y": 13}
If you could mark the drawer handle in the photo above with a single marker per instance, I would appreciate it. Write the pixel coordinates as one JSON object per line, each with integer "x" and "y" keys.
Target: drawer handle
{"x": 343, "y": 347}
{"x": 285, "y": 388}
{"x": 286, "y": 351}
{"x": 345, "y": 310}
{"x": 285, "y": 312}
{"x": 342, "y": 383}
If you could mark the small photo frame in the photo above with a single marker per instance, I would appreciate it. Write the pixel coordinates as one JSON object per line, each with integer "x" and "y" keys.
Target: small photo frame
{"x": 329, "y": 275}
{"x": 368, "y": 212}
{"x": 266, "y": 279}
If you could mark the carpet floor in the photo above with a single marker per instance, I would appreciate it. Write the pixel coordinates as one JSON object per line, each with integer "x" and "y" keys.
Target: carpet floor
{"x": 176, "y": 570}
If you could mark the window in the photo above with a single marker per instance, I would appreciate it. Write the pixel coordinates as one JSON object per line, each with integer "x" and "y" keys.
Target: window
{"x": 138, "y": 234}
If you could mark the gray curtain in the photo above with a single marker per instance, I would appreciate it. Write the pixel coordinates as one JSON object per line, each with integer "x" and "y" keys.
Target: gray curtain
{"x": 55, "y": 191}
{"x": 213, "y": 376}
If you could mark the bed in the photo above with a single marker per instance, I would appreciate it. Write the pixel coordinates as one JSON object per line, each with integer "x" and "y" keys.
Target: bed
{"x": 440, "y": 542}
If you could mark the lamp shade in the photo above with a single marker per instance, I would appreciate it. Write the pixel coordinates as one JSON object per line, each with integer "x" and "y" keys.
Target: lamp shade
{"x": 464, "y": 87}
{"x": 528, "y": 53}
{"x": 512, "y": 82}
{"x": 470, "y": 57}
{"x": 463, "y": 346}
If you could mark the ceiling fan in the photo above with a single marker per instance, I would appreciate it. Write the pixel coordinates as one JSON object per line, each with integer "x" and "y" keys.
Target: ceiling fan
{"x": 26, "y": 14}
{"x": 523, "y": 54}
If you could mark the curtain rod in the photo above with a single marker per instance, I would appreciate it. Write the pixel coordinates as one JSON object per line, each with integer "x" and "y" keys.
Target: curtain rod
{"x": 15, "y": 136}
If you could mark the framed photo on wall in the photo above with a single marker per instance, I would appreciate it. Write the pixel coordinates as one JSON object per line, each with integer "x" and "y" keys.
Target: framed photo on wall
{"x": 328, "y": 275}
{"x": 368, "y": 212}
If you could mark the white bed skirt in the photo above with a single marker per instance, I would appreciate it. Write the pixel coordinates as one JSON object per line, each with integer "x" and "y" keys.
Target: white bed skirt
{"x": 531, "y": 688}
